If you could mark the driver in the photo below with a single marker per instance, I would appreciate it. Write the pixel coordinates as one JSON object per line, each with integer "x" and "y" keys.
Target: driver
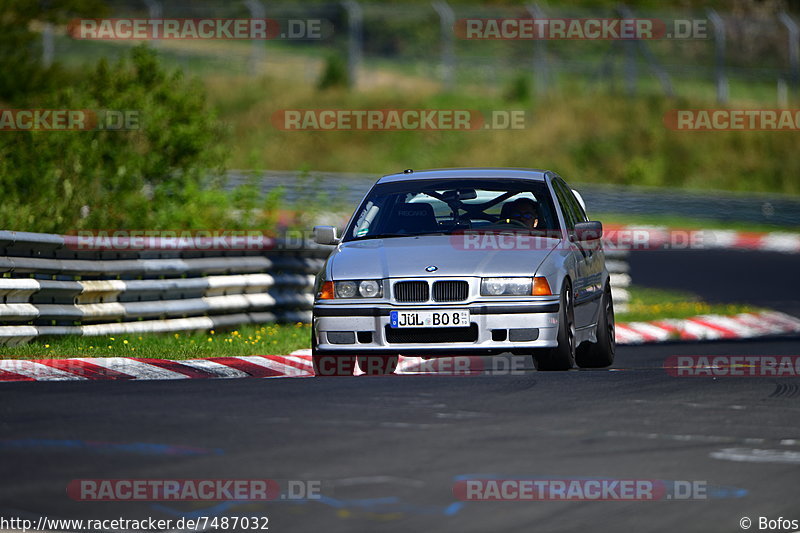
{"x": 523, "y": 210}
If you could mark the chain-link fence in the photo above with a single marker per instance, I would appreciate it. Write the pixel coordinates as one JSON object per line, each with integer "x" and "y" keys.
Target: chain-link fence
{"x": 751, "y": 54}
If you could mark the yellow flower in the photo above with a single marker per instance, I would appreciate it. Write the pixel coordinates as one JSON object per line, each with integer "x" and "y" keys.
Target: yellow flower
{"x": 177, "y": 335}
{"x": 125, "y": 341}
{"x": 111, "y": 338}
{"x": 210, "y": 339}
{"x": 46, "y": 345}
{"x": 212, "y": 331}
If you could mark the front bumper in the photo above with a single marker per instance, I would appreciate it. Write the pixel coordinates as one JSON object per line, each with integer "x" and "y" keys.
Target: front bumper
{"x": 535, "y": 321}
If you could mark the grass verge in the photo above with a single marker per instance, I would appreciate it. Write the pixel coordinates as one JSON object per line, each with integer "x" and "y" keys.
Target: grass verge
{"x": 682, "y": 222}
{"x": 266, "y": 339}
{"x": 658, "y": 304}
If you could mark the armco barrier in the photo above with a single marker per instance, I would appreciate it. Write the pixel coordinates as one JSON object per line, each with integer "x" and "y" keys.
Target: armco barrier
{"x": 50, "y": 288}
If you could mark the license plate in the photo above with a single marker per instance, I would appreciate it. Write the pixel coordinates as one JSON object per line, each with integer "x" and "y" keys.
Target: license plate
{"x": 451, "y": 318}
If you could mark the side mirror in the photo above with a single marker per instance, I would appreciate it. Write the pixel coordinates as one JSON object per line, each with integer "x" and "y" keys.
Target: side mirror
{"x": 325, "y": 235}
{"x": 588, "y": 231}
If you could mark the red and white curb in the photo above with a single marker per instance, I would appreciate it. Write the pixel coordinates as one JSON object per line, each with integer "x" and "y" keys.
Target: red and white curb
{"x": 708, "y": 327}
{"x": 638, "y": 237}
{"x": 298, "y": 364}
{"x": 125, "y": 368}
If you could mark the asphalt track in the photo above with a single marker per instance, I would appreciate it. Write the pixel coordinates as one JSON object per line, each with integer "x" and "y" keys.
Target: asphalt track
{"x": 764, "y": 279}
{"x": 388, "y": 450}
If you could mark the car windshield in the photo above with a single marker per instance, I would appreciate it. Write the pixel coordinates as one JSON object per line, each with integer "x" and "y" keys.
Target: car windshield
{"x": 429, "y": 207}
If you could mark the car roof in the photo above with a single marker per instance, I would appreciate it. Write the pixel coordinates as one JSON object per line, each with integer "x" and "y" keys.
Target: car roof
{"x": 478, "y": 172}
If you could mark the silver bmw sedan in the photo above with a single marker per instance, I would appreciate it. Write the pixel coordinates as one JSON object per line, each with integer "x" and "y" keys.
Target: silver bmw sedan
{"x": 466, "y": 261}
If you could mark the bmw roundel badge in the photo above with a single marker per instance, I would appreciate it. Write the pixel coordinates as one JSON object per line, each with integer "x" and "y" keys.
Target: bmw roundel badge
{"x": 432, "y": 268}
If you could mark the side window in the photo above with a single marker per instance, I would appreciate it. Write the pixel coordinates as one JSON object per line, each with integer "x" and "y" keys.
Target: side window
{"x": 579, "y": 208}
{"x": 564, "y": 196}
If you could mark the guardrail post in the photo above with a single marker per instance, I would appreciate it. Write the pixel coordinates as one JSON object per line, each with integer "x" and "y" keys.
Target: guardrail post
{"x": 540, "y": 67}
{"x": 447, "y": 20}
{"x": 355, "y": 40}
{"x": 257, "y": 11}
{"x": 629, "y": 49}
{"x": 48, "y": 48}
{"x": 719, "y": 41}
{"x": 783, "y": 93}
{"x": 652, "y": 62}
{"x": 154, "y": 12}
{"x": 794, "y": 49}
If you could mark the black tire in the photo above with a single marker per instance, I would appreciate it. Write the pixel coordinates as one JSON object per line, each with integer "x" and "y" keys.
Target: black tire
{"x": 600, "y": 354}
{"x": 378, "y": 365}
{"x": 561, "y": 357}
{"x": 330, "y": 365}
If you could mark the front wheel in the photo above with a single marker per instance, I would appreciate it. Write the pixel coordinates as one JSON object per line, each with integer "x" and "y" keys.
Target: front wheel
{"x": 562, "y": 357}
{"x": 601, "y": 353}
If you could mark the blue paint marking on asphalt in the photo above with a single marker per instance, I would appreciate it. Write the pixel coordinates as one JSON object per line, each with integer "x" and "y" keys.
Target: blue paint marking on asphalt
{"x": 389, "y": 504}
{"x": 453, "y": 508}
{"x": 141, "y": 448}
{"x": 214, "y": 510}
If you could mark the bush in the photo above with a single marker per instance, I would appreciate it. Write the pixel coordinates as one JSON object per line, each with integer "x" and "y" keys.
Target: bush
{"x": 164, "y": 175}
{"x": 335, "y": 73}
{"x": 519, "y": 88}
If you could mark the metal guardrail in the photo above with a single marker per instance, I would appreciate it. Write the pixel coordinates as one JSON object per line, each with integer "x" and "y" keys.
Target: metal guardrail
{"x": 49, "y": 288}
{"x": 347, "y": 189}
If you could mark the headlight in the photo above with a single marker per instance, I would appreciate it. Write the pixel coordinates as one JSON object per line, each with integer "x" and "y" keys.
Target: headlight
{"x": 367, "y": 288}
{"x": 506, "y": 286}
{"x": 345, "y": 289}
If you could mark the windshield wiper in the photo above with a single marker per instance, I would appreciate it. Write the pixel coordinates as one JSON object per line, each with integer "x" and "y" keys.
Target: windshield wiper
{"x": 392, "y": 235}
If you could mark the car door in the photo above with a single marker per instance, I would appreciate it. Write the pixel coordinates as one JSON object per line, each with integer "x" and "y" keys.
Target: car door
{"x": 585, "y": 287}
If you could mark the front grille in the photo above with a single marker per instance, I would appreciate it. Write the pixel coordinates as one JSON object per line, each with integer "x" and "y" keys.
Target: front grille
{"x": 431, "y": 335}
{"x": 411, "y": 291}
{"x": 450, "y": 291}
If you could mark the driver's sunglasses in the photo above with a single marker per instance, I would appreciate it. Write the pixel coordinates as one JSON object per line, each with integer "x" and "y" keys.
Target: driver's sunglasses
{"x": 523, "y": 215}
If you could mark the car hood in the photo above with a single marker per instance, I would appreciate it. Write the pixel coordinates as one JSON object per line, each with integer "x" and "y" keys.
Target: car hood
{"x": 409, "y": 257}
